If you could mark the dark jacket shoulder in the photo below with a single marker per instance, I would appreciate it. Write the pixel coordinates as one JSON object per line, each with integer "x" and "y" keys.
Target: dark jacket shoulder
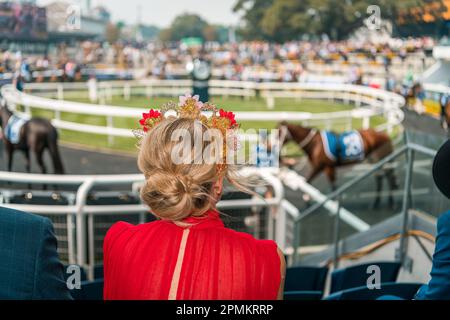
{"x": 29, "y": 261}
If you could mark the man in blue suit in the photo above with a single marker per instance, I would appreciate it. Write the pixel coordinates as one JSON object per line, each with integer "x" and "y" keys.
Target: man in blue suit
{"x": 439, "y": 286}
{"x": 29, "y": 265}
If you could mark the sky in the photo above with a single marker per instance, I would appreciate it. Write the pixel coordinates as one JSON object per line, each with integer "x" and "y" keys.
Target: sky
{"x": 162, "y": 12}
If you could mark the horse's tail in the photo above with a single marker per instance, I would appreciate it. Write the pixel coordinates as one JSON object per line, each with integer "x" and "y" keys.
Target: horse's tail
{"x": 54, "y": 151}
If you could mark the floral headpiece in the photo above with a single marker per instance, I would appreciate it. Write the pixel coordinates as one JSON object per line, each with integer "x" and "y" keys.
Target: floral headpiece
{"x": 190, "y": 107}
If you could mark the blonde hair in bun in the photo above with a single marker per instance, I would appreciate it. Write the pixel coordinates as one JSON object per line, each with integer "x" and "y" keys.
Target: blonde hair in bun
{"x": 177, "y": 191}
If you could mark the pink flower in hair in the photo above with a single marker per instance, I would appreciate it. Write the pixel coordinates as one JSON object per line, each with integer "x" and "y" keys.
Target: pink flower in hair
{"x": 185, "y": 99}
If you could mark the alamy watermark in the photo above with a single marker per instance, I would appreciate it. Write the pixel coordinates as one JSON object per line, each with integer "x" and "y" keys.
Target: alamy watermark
{"x": 374, "y": 280}
{"x": 373, "y": 22}
{"x": 73, "y": 273}
{"x": 73, "y": 17}
{"x": 236, "y": 147}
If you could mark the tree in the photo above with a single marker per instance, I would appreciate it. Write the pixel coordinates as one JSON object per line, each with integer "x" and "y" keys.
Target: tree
{"x": 288, "y": 19}
{"x": 282, "y": 20}
{"x": 253, "y": 12}
{"x": 183, "y": 26}
{"x": 112, "y": 33}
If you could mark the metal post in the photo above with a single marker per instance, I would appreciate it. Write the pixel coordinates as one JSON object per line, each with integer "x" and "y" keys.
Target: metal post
{"x": 337, "y": 220}
{"x": 80, "y": 221}
{"x": 70, "y": 243}
{"x": 91, "y": 246}
{"x": 280, "y": 227}
{"x": 296, "y": 243}
{"x": 406, "y": 204}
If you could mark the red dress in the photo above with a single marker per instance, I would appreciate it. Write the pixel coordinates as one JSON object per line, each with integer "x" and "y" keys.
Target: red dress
{"x": 161, "y": 260}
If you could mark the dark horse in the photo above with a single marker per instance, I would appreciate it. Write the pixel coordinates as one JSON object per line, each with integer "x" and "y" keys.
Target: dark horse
{"x": 377, "y": 145}
{"x": 36, "y": 134}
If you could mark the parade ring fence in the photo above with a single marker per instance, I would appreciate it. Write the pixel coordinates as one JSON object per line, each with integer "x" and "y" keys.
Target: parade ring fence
{"x": 77, "y": 225}
{"x": 368, "y": 102}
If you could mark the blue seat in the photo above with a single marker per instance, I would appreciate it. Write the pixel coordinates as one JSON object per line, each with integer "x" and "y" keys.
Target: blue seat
{"x": 356, "y": 276}
{"x": 305, "y": 278}
{"x": 90, "y": 290}
{"x": 404, "y": 291}
{"x": 303, "y": 295}
{"x": 98, "y": 272}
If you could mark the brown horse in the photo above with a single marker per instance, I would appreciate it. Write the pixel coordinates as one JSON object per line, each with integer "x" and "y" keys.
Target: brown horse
{"x": 36, "y": 134}
{"x": 377, "y": 145}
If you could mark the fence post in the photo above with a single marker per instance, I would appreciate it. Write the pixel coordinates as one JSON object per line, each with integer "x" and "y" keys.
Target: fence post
{"x": 346, "y": 97}
{"x": 337, "y": 228}
{"x": 148, "y": 91}
{"x": 366, "y": 122}
{"x": 270, "y": 102}
{"x": 405, "y": 208}
{"x": 126, "y": 91}
{"x": 60, "y": 92}
{"x": 28, "y": 110}
{"x": 358, "y": 100}
{"x": 102, "y": 96}
{"x": 70, "y": 243}
{"x": 110, "y": 126}
{"x": 296, "y": 243}
{"x": 91, "y": 246}
{"x": 109, "y": 91}
{"x": 280, "y": 227}
{"x": 80, "y": 221}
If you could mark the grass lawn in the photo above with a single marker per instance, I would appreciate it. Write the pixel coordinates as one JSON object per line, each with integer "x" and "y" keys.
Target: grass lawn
{"x": 230, "y": 103}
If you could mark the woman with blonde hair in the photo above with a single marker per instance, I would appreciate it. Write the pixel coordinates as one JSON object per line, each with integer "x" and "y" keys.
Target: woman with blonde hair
{"x": 188, "y": 253}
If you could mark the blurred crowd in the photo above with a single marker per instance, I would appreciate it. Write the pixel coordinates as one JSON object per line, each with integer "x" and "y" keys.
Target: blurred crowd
{"x": 244, "y": 61}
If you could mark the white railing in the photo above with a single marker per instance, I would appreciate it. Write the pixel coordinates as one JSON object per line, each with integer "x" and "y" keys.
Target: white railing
{"x": 436, "y": 88}
{"x": 80, "y": 215}
{"x": 377, "y": 102}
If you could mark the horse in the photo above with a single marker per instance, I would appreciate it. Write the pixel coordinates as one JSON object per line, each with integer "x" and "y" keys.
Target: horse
{"x": 412, "y": 99}
{"x": 37, "y": 135}
{"x": 376, "y": 145}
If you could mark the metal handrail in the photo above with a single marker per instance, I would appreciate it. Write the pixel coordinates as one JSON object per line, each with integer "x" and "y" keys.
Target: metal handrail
{"x": 410, "y": 148}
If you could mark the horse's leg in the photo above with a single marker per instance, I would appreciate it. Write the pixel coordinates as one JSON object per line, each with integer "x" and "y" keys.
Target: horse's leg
{"x": 10, "y": 158}
{"x": 26, "y": 152}
{"x": 393, "y": 185}
{"x": 314, "y": 172}
{"x": 330, "y": 171}
{"x": 40, "y": 161}
{"x": 39, "y": 153}
{"x": 379, "y": 185}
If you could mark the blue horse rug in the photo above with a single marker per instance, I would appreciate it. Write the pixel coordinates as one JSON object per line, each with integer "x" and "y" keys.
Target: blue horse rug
{"x": 347, "y": 147}
{"x": 12, "y": 129}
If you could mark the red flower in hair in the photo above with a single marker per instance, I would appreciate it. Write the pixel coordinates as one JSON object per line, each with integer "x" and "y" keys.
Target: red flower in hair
{"x": 228, "y": 115}
{"x": 149, "y": 119}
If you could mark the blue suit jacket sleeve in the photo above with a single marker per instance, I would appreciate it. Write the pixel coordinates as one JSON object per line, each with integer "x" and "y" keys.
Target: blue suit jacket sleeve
{"x": 48, "y": 280}
{"x": 439, "y": 286}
